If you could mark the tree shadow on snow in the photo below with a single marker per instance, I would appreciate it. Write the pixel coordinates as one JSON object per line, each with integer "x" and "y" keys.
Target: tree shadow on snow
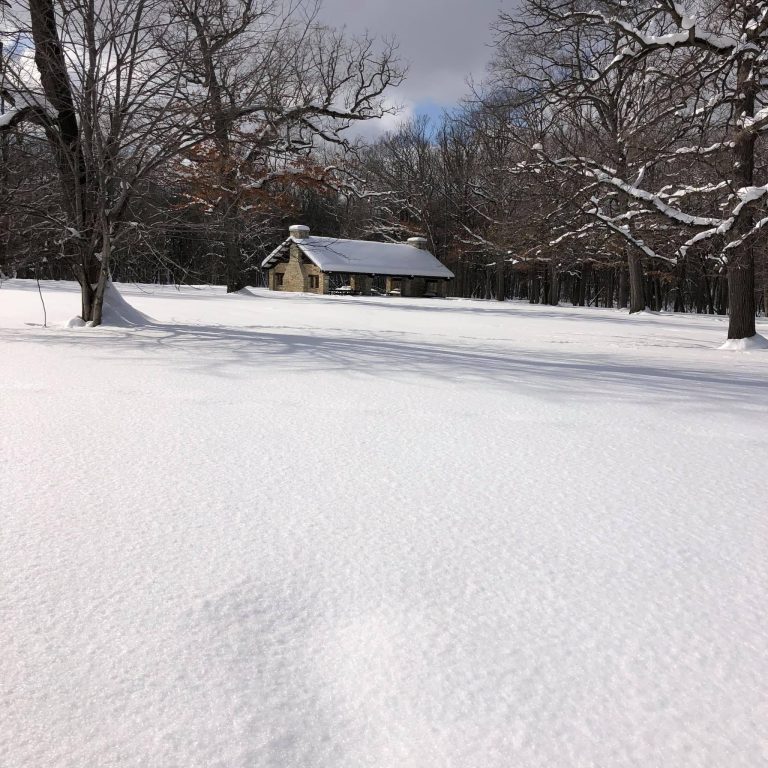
{"x": 508, "y": 308}
{"x": 578, "y": 377}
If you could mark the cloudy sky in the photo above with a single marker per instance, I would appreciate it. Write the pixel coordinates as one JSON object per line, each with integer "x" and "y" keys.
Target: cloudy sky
{"x": 443, "y": 41}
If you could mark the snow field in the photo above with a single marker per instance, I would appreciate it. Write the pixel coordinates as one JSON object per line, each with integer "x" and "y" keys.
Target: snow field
{"x": 379, "y": 532}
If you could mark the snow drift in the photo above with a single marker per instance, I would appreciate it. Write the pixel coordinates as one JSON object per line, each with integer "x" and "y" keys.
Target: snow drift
{"x": 118, "y": 312}
{"x": 745, "y": 345}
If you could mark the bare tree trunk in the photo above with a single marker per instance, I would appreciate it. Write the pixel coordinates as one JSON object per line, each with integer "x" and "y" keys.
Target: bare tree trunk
{"x": 623, "y": 287}
{"x": 500, "y": 281}
{"x": 86, "y": 292}
{"x": 235, "y": 272}
{"x": 679, "y": 289}
{"x": 765, "y": 295}
{"x": 533, "y": 285}
{"x": 741, "y": 300}
{"x": 101, "y": 285}
{"x": 554, "y": 286}
{"x": 586, "y": 271}
{"x": 636, "y": 292}
{"x": 721, "y": 293}
{"x": 64, "y": 137}
{"x": 4, "y": 228}
{"x": 544, "y": 293}
{"x": 222, "y": 125}
{"x": 741, "y": 265}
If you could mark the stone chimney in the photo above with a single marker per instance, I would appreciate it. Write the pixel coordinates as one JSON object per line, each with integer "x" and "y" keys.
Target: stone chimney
{"x": 298, "y": 232}
{"x": 418, "y": 242}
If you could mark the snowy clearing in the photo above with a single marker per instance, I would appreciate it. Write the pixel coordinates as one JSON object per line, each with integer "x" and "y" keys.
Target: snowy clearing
{"x": 290, "y": 530}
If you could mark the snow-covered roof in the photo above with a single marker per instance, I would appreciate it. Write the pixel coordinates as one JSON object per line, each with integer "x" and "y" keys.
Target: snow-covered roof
{"x": 332, "y": 254}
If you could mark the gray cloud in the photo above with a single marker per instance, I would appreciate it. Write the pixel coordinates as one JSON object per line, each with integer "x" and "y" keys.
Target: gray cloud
{"x": 443, "y": 41}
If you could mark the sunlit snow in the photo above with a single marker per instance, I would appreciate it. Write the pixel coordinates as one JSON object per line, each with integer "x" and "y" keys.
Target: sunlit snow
{"x": 285, "y": 530}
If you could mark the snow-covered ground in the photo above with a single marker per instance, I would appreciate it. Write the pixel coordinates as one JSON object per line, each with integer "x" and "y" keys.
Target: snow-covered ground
{"x": 283, "y": 530}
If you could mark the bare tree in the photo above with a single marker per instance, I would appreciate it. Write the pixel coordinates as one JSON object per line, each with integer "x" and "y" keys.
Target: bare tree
{"x": 273, "y": 86}
{"x": 119, "y": 88}
{"x": 711, "y": 55}
{"x": 107, "y": 99}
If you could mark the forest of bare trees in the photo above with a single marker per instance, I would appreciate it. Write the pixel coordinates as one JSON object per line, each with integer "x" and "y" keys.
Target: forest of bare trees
{"x": 129, "y": 124}
{"x": 612, "y": 155}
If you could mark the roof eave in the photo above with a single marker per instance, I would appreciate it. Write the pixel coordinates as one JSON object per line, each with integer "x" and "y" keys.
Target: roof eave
{"x": 275, "y": 253}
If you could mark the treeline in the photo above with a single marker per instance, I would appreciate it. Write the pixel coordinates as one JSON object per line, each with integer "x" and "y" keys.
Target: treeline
{"x": 612, "y": 156}
{"x": 510, "y": 228}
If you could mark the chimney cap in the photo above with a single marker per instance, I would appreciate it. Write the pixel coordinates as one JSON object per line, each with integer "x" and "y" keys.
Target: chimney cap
{"x": 418, "y": 242}
{"x": 298, "y": 231}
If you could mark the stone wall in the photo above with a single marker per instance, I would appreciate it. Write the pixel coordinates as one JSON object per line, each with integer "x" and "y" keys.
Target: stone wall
{"x": 296, "y": 273}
